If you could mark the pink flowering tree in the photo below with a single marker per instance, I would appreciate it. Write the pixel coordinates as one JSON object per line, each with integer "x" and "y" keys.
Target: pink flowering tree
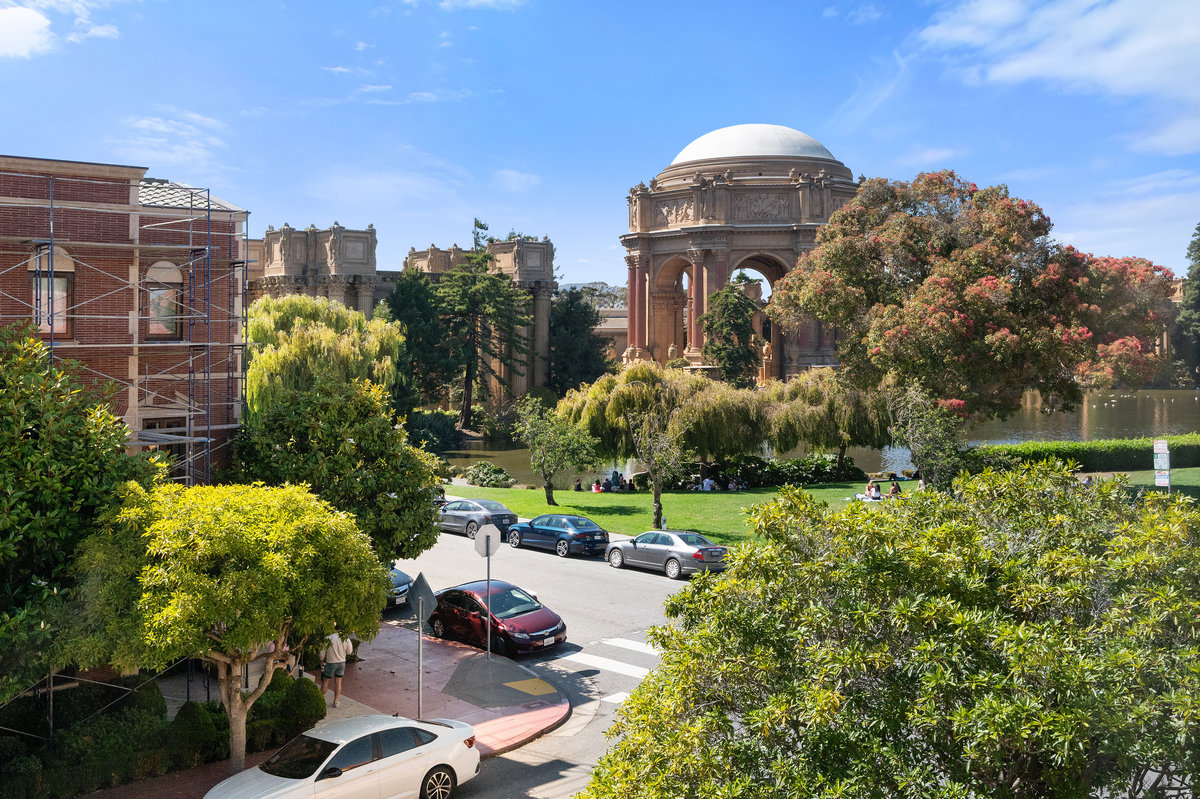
{"x": 959, "y": 290}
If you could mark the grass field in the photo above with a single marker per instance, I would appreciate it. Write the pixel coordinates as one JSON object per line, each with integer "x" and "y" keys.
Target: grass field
{"x": 719, "y": 515}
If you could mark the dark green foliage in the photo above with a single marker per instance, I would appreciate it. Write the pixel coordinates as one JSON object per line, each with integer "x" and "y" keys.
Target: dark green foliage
{"x": 337, "y": 438}
{"x": 28, "y": 714}
{"x": 1188, "y": 321}
{"x": 488, "y": 475}
{"x": 729, "y": 336}
{"x": 753, "y": 471}
{"x": 62, "y": 459}
{"x": 433, "y": 356}
{"x": 678, "y": 363}
{"x": 434, "y": 430}
{"x": 192, "y": 737}
{"x": 305, "y": 706}
{"x": 105, "y": 751}
{"x": 577, "y": 354}
{"x": 1106, "y": 455}
{"x": 486, "y": 314}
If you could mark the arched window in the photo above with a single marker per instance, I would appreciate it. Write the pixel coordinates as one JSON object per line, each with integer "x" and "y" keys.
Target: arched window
{"x": 52, "y": 298}
{"x": 163, "y": 283}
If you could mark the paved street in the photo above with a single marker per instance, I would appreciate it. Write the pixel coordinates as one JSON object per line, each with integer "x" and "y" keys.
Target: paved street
{"x": 607, "y": 612}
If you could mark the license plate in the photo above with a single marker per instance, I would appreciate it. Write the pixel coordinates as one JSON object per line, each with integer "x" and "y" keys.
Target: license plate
{"x": 400, "y": 600}
{"x": 549, "y": 641}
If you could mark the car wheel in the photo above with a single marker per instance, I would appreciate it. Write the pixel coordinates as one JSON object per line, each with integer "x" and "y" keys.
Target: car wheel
{"x": 438, "y": 784}
{"x": 672, "y": 569}
{"x": 616, "y": 559}
{"x": 472, "y": 528}
{"x": 514, "y": 539}
{"x": 562, "y": 548}
{"x": 438, "y": 626}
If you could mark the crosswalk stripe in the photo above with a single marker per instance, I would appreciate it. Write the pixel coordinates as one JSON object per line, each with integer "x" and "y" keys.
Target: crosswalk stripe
{"x": 636, "y": 646}
{"x": 616, "y": 699}
{"x": 607, "y": 664}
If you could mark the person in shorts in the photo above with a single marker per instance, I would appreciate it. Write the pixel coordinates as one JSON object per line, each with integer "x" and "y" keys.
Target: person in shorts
{"x": 333, "y": 658}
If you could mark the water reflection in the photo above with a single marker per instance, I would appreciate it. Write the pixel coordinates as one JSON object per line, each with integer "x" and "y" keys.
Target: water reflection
{"x": 1101, "y": 415}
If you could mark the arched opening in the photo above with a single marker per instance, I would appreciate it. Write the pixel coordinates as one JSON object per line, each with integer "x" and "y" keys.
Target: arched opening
{"x": 756, "y": 275}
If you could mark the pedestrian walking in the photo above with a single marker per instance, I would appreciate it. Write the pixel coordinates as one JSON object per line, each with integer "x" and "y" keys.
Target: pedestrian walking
{"x": 333, "y": 659}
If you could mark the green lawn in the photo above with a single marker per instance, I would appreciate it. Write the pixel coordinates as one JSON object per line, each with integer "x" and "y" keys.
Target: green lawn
{"x": 719, "y": 515}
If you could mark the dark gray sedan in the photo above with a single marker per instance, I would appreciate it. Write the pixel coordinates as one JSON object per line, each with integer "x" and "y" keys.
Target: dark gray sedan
{"x": 466, "y": 516}
{"x": 675, "y": 553}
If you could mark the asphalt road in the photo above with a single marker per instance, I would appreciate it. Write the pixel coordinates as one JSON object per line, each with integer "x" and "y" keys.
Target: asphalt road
{"x": 607, "y": 612}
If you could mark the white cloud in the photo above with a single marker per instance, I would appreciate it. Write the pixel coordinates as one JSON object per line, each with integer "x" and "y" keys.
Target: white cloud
{"x": 371, "y": 89}
{"x": 438, "y": 95}
{"x": 1122, "y": 48}
{"x": 96, "y": 32}
{"x": 829, "y": 12}
{"x": 24, "y": 32}
{"x": 871, "y": 93}
{"x": 511, "y": 180}
{"x": 338, "y": 70}
{"x": 864, "y": 14}
{"x": 360, "y": 46}
{"x": 926, "y": 157}
{"x": 183, "y": 138}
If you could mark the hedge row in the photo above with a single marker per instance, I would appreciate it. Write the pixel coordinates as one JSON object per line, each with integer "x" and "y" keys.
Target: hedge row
{"x": 134, "y": 740}
{"x": 1108, "y": 455}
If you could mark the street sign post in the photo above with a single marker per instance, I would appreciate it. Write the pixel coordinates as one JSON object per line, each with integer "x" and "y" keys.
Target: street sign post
{"x": 425, "y": 602}
{"x": 487, "y": 541}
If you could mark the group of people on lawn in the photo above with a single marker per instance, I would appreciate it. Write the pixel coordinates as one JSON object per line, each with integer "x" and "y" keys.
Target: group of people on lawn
{"x": 873, "y": 492}
{"x": 614, "y": 482}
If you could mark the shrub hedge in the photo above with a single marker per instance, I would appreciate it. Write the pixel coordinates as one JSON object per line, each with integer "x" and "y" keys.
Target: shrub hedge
{"x": 133, "y": 740}
{"x": 488, "y": 475}
{"x": 1106, "y": 455}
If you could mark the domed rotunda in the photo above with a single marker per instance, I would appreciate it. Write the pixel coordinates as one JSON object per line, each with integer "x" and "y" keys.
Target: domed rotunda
{"x": 743, "y": 197}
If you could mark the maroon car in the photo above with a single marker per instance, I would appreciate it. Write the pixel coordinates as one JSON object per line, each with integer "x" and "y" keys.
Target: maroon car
{"x": 520, "y": 624}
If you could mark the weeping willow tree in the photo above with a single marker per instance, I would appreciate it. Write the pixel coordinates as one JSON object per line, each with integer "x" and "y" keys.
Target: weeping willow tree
{"x": 663, "y": 418}
{"x": 297, "y": 342}
{"x": 822, "y": 410}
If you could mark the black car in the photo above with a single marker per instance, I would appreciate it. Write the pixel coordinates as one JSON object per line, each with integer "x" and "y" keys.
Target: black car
{"x": 401, "y": 583}
{"x": 466, "y": 516}
{"x": 565, "y": 534}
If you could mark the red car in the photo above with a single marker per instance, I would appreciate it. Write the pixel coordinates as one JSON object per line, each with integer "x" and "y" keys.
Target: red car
{"x": 520, "y": 624}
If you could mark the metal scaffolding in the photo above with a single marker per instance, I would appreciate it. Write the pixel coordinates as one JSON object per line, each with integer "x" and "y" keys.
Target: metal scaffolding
{"x": 182, "y": 392}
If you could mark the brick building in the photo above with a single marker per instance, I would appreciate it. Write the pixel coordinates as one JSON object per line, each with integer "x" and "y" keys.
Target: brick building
{"x": 139, "y": 280}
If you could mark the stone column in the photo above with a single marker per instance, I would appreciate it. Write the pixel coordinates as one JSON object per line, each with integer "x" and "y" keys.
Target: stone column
{"x": 720, "y": 269}
{"x": 697, "y": 295}
{"x": 364, "y": 286}
{"x": 542, "y": 291}
{"x": 335, "y": 287}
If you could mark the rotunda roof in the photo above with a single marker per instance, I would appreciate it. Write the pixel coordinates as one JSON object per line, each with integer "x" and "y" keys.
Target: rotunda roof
{"x": 741, "y": 141}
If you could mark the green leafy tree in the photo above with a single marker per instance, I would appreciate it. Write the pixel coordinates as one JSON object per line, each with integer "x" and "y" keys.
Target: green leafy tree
{"x": 62, "y": 459}
{"x": 297, "y": 341}
{"x": 553, "y": 444}
{"x": 229, "y": 574}
{"x": 1188, "y": 321}
{"x": 433, "y": 359}
{"x": 822, "y": 410}
{"x": 486, "y": 314}
{"x": 932, "y": 431}
{"x": 729, "y": 336}
{"x": 577, "y": 353}
{"x": 337, "y": 438}
{"x": 1021, "y": 637}
{"x": 718, "y": 421}
{"x": 959, "y": 289}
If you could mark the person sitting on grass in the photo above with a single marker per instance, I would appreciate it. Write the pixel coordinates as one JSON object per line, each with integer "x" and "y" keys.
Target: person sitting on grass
{"x": 895, "y": 491}
{"x": 597, "y": 488}
{"x": 873, "y": 490}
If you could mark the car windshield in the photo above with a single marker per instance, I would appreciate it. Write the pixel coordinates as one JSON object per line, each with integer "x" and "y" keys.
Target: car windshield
{"x": 512, "y": 602}
{"x": 580, "y": 523}
{"x": 299, "y": 758}
{"x": 694, "y": 540}
{"x": 492, "y": 505}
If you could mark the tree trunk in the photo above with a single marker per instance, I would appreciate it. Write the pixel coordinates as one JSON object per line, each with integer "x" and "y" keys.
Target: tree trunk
{"x": 841, "y": 461}
{"x": 656, "y": 484}
{"x": 237, "y": 704}
{"x": 468, "y": 396}
{"x": 548, "y": 484}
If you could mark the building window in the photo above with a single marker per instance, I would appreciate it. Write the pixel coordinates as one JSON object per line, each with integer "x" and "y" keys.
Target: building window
{"x": 170, "y": 437}
{"x": 52, "y": 299}
{"x": 163, "y": 310}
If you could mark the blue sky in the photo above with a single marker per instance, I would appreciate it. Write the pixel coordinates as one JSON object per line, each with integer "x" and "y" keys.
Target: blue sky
{"x": 538, "y": 115}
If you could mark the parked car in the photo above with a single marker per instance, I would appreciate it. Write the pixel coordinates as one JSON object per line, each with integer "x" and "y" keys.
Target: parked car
{"x": 674, "y": 552}
{"x": 520, "y": 624}
{"x": 566, "y": 535}
{"x": 466, "y": 516}
{"x": 401, "y": 583}
{"x": 374, "y": 755}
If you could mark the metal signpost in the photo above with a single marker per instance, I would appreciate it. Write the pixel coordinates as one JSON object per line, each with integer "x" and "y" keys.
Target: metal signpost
{"x": 1162, "y": 464}
{"x": 422, "y": 595}
{"x": 487, "y": 541}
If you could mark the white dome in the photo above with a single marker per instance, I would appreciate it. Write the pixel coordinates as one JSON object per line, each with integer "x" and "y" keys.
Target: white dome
{"x": 740, "y": 141}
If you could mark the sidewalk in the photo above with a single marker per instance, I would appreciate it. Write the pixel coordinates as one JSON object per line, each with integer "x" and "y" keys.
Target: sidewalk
{"x": 507, "y": 704}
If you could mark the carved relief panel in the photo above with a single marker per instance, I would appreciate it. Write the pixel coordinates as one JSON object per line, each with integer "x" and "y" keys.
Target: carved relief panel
{"x": 762, "y": 207}
{"x": 674, "y": 212}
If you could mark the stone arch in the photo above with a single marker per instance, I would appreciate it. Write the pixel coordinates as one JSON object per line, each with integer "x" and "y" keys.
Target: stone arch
{"x": 670, "y": 301}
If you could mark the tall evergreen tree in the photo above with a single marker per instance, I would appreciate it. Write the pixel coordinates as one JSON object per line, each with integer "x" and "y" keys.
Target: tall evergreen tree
{"x": 728, "y": 335}
{"x": 577, "y": 353}
{"x": 1188, "y": 321}
{"x": 486, "y": 315}
{"x": 433, "y": 357}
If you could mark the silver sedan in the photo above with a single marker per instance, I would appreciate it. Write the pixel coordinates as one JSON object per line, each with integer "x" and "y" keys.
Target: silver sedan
{"x": 674, "y": 553}
{"x": 466, "y": 516}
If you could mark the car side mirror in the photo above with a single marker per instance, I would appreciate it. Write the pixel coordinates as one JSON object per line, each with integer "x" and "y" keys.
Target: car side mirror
{"x": 330, "y": 773}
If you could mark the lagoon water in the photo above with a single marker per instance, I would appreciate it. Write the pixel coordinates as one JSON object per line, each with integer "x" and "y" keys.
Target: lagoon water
{"x": 1128, "y": 414}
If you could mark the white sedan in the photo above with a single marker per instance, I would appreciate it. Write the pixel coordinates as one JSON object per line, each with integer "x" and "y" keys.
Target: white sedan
{"x": 382, "y": 757}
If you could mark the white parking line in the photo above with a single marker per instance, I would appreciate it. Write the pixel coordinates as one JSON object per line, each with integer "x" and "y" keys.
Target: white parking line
{"x": 636, "y": 646}
{"x": 607, "y": 664}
